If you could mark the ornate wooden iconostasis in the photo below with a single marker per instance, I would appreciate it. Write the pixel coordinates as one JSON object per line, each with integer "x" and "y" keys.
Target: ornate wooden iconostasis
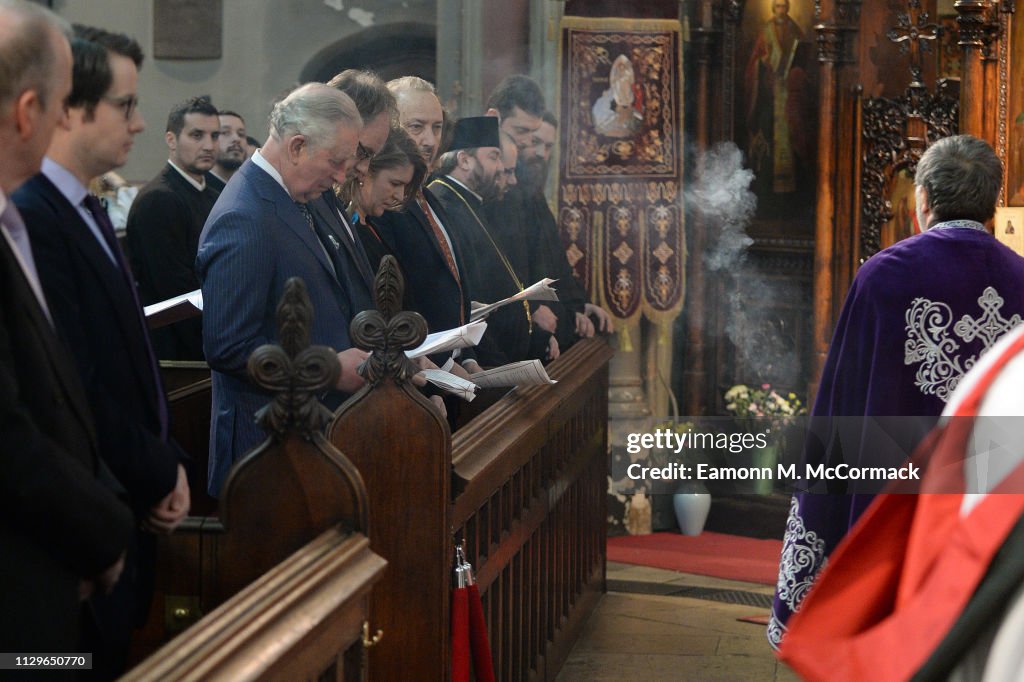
{"x": 831, "y": 104}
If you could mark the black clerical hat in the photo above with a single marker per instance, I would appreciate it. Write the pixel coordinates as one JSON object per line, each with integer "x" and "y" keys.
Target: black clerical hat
{"x": 475, "y": 131}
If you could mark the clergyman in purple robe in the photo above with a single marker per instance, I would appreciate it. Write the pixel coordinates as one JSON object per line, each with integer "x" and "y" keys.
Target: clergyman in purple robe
{"x": 916, "y": 318}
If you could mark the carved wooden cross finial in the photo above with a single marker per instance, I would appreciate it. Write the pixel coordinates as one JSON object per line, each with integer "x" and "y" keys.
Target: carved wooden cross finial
{"x": 295, "y": 371}
{"x": 389, "y": 330}
{"x": 914, "y": 35}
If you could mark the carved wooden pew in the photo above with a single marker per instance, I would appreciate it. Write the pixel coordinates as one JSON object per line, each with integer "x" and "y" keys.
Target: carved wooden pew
{"x": 522, "y": 485}
{"x": 288, "y": 563}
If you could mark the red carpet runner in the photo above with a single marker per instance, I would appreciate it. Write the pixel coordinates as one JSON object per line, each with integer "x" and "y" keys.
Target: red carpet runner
{"x": 721, "y": 556}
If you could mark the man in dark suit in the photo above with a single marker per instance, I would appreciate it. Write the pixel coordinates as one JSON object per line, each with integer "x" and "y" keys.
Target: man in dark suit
{"x": 376, "y": 107}
{"x": 62, "y": 527}
{"x": 166, "y": 218}
{"x": 89, "y": 287}
{"x": 260, "y": 233}
{"x": 430, "y": 259}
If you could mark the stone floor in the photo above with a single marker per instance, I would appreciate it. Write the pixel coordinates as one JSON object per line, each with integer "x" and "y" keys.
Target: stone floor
{"x": 660, "y": 636}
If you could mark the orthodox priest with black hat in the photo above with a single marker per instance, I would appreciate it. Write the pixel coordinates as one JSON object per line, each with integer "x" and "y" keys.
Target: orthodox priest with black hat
{"x": 468, "y": 177}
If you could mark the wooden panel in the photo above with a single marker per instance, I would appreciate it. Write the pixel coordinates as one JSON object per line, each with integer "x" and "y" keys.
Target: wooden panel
{"x": 297, "y": 621}
{"x": 187, "y": 29}
{"x": 189, "y": 398}
{"x": 401, "y": 447}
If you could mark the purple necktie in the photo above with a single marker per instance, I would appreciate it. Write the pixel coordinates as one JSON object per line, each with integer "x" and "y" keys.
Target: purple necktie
{"x": 107, "y": 230}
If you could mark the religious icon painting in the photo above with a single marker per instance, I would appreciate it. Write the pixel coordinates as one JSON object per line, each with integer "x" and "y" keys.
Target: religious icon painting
{"x": 620, "y": 199}
{"x": 776, "y": 104}
{"x": 1015, "y": 114}
{"x": 1008, "y": 226}
{"x": 950, "y": 54}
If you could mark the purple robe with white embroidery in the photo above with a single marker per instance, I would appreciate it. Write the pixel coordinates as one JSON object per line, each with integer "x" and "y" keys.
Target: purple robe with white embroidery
{"x": 917, "y": 317}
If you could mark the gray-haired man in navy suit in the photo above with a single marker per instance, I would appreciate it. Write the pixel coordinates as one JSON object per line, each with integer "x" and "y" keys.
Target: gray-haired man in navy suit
{"x": 259, "y": 234}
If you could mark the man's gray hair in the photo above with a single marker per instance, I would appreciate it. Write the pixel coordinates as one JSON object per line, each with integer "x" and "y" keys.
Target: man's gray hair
{"x": 314, "y": 111}
{"x": 27, "y": 57}
{"x": 962, "y": 176}
{"x": 399, "y": 86}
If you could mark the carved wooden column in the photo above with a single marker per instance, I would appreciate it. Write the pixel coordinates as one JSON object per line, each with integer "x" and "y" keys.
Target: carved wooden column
{"x": 977, "y": 31}
{"x": 695, "y": 378}
{"x": 834, "y": 39}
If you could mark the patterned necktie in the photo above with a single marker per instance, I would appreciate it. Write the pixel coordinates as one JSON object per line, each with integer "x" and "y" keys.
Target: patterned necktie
{"x": 308, "y": 215}
{"x": 442, "y": 243}
{"x": 99, "y": 214}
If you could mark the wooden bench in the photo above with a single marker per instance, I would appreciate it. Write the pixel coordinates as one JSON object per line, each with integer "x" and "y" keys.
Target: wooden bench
{"x": 522, "y": 486}
{"x": 286, "y": 571}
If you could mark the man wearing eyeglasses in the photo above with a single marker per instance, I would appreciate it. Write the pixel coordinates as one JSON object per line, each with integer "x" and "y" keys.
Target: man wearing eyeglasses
{"x": 94, "y": 306}
{"x": 376, "y": 106}
{"x": 167, "y": 217}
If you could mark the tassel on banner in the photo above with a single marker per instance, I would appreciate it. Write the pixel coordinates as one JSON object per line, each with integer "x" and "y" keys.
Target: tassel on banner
{"x": 625, "y": 340}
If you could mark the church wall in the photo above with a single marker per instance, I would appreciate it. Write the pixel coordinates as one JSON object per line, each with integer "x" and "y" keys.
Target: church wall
{"x": 265, "y": 46}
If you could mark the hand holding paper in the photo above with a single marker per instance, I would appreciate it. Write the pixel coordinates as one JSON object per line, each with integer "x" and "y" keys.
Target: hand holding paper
{"x": 541, "y": 291}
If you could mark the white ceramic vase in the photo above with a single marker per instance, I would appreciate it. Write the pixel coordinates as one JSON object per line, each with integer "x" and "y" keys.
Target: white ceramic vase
{"x": 691, "y": 502}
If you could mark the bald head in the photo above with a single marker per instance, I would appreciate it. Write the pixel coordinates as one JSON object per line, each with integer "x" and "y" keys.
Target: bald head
{"x": 35, "y": 78}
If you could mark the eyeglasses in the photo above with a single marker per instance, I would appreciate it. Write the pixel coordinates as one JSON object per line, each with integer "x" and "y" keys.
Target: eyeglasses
{"x": 126, "y": 104}
{"x": 363, "y": 153}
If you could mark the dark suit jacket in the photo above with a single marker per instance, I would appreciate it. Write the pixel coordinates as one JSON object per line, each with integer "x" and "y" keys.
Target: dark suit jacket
{"x": 430, "y": 286}
{"x": 214, "y": 183}
{"x": 163, "y": 230}
{"x": 95, "y": 311}
{"x": 60, "y": 519}
{"x": 356, "y": 268}
{"x": 255, "y": 240}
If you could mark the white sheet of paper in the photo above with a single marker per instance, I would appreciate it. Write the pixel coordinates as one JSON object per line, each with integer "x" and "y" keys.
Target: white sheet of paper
{"x": 460, "y": 337}
{"x": 523, "y": 373}
{"x": 451, "y": 383}
{"x": 193, "y": 297}
{"x": 540, "y": 291}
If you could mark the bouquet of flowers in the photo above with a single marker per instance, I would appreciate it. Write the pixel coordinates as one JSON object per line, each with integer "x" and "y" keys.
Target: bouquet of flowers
{"x": 751, "y": 403}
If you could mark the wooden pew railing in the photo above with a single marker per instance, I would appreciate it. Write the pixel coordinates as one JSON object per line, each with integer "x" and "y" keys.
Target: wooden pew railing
{"x": 522, "y": 485}
{"x": 300, "y": 620}
{"x": 532, "y": 511}
{"x": 286, "y": 571}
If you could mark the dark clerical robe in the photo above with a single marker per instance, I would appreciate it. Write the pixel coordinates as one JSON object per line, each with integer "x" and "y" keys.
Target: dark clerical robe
{"x": 917, "y": 317}
{"x": 491, "y": 277}
{"x": 526, "y": 230}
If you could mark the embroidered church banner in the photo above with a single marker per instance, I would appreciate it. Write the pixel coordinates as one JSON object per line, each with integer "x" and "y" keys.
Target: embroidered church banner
{"x": 620, "y": 171}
